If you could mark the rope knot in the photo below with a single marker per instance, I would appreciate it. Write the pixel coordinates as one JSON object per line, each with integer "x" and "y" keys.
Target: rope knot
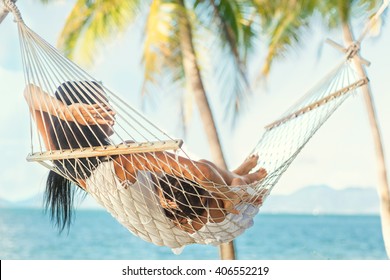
{"x": 352, "y": 50}
{"x": 11, "y": 7}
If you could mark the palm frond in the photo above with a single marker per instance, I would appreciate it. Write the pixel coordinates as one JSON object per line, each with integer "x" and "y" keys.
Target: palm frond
{"x": 229, "y": 34}
{"x": 162, "y": 54}
{"x": 337, "y": 12}
{"x": 283, "y": 23}
{"x": 91, "y": 22}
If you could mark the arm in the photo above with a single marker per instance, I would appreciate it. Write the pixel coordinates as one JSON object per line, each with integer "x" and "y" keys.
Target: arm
{"x": 84, "y": 114}
{"x": 43, "y": 106}
{"x": 40, "y": 101}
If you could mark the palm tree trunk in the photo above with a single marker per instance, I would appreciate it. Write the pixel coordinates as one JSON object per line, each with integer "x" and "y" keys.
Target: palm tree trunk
{"x": 193, "y": 77}
{"x": 383, "y": 186}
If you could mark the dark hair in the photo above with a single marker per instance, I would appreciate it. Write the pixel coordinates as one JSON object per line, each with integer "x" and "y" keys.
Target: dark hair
{"x": 59, "y": 193}
{"x": 187, "y": 195}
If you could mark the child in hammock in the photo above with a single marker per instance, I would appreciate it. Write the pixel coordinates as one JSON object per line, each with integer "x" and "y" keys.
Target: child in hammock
{"x": 80, "y": 116}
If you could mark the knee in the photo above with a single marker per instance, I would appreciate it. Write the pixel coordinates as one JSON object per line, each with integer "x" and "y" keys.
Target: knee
{"x": 208, "y": 164}
{"x": 205, "y": 161}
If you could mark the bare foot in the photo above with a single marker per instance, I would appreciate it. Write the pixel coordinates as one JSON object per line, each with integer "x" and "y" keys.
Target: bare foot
{"x": 248, "y": 164}
{"x": 250, "y": 178}
{"x": 256, "y": 176}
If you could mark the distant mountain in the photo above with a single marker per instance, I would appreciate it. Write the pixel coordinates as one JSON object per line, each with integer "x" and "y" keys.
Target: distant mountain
{"x": 309, "y": 200}
{"x": 36, "y": 201}
{"x": 324, "y": 200}
{"x": 4, "y": 203}
{"x": 32, "y": 202}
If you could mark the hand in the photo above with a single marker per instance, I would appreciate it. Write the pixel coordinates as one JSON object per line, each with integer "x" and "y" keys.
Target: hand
{"x": 229, "y": 201}
{"x": 257, "y": 197}
{"x": 85, "y": 114}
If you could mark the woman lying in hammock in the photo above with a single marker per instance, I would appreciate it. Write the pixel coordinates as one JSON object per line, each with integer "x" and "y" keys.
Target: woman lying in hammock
{"x": 80, "y": 116}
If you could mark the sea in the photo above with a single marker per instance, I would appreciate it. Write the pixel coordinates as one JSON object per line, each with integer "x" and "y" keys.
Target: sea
{"x": 28, "y": 234}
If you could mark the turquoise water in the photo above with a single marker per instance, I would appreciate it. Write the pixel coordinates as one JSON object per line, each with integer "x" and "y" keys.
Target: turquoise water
{"x": 28, "y": 234}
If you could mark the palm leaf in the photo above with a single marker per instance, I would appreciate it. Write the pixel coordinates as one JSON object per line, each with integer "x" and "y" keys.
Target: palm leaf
{"x": 283, "y": 22}
{"x": 91, "y": 22}
{"x": 162, "y": 55}
{"x": 229, "y": 34}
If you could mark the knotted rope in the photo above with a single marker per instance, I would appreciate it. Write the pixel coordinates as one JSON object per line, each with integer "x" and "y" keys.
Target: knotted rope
{"x": 9, "y": 6}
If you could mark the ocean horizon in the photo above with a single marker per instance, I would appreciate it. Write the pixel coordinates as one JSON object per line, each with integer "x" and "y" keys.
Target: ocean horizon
{"x": 27, "y": 234}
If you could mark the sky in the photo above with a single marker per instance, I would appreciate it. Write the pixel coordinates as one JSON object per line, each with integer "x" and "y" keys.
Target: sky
{"x": 340, "y": 155}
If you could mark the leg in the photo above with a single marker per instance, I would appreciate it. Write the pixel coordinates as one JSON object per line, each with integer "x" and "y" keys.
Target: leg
{"x": 226, "y": 175}
{"x": 241, "y": 175}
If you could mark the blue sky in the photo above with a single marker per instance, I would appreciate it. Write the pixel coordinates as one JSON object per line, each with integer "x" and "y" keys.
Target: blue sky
{"x": 340, "y": 155}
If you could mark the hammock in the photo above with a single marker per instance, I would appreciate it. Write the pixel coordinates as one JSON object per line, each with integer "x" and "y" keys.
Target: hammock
{"x": 138, "y": 206}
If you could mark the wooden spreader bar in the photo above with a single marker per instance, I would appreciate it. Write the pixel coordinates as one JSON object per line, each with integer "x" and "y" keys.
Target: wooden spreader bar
{"x": 122, "y": 149}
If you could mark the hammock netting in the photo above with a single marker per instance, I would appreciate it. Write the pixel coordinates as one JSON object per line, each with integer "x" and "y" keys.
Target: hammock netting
{"x": 138, "y": 142}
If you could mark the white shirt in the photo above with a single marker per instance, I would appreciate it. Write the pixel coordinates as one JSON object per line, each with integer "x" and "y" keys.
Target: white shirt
{"x": 136, "y": 206}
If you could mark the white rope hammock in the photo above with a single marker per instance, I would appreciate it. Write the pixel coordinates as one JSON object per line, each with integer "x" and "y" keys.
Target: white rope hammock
{"x": 105, "y": 143}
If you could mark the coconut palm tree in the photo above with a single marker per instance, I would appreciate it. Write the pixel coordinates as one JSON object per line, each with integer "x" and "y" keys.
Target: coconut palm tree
{"x": 177, "y": 34}
{"x": 284, "y": 21}
{"x": 383, "y": 184}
